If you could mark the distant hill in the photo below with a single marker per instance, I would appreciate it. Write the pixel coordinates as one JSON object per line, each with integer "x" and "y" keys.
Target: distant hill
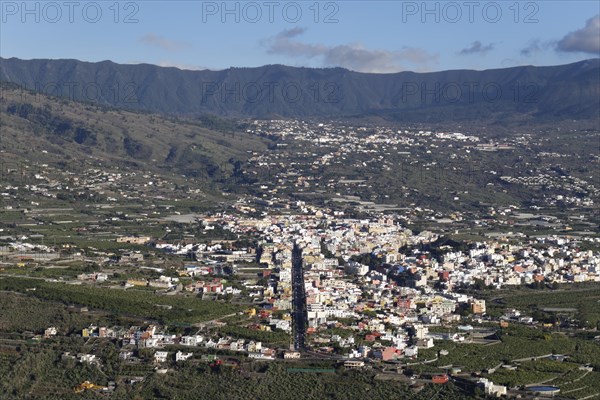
{"x": 533, "y": 93}
{"x": 41, "y": 129}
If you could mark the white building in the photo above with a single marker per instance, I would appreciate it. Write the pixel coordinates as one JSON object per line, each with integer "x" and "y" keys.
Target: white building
{"x": 161, "y": 356}
{"x": 181, "y": 356}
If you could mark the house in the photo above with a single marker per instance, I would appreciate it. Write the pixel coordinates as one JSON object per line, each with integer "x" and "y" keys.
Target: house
{"x": 354, "y": 364}
{"x": 253, "y": 347}
{"x": 214, "y": 286}
{"x": 289, "y": 355}
{"x": 491, "y": 389}
{"x": 478, "y": 307}
{"x": 191, "y": 340}
{"x": 261, "y": 356}
{"x": 237, "y": 345}
{"x": 425, "y": 343}
{"x": 441, "y": 307}
{"x": 181, "y": 356}
{"x": 282, "y": 325}
{"x": 89, "y": 331}
{"x": 50, "y": 332}
{"x": 430, "y": 319}
{"x": 386, "y": 354}
{"x": 88, "y": 358}
{"x": 405, "y": 305}
{"x": 161, "y": 356}
{"x": 412, "y": 351}
{"x": 421, "y": 331}
{"x": 149, "y": 342}
{"x": 131, "y": 257}
{"x": 104, "y": 332}
{"x": 133, "y": 239}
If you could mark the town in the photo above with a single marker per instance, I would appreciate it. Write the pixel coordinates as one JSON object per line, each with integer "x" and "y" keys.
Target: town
{"x": 375, "y": 293}
{"x": 361, "y": 250}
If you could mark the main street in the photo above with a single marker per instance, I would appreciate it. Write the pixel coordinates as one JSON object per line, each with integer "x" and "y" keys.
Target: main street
{"x": 299, "y": 316}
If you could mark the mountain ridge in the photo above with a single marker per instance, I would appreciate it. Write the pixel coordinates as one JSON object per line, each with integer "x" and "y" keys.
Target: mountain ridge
{"x": 526, "y": 92}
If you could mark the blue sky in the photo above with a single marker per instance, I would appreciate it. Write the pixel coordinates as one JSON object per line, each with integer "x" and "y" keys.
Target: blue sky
{"x": 367, "y": 36}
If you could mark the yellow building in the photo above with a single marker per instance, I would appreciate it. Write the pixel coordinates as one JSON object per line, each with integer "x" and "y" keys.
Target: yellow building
{"x": 478, "y": 307}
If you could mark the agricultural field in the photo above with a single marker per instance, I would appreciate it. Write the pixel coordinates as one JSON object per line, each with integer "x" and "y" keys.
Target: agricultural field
{"x": 144, "y": 304}
{"x": 579, "y": 301}
{"x": 525, "y": 351}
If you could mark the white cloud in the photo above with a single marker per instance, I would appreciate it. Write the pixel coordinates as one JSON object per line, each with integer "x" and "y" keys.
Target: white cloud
{"x": 585, "y": 40}
{"x": 353, "y": 56}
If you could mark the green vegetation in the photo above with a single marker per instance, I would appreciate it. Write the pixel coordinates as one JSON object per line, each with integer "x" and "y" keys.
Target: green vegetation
{"x": 40, "y": 373}
{"x": 579, "y": 384}
{"x": 276, "y": 383}
{"x": 167, "y": 309}
{"x": 531, "y": 372}
{"x": 585, "y": 297}
{"x": 22, "y": 313}
{"x": 70, "y": 271}
{"x": 518, "y": 342}
{"x": 271, "y": 337}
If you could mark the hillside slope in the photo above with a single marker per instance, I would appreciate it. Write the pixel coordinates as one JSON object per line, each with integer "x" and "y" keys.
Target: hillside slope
{"x": 42, "y": 129}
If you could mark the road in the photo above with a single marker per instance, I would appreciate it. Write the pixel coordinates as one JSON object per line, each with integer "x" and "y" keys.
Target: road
{"x": 299, "y": 316}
